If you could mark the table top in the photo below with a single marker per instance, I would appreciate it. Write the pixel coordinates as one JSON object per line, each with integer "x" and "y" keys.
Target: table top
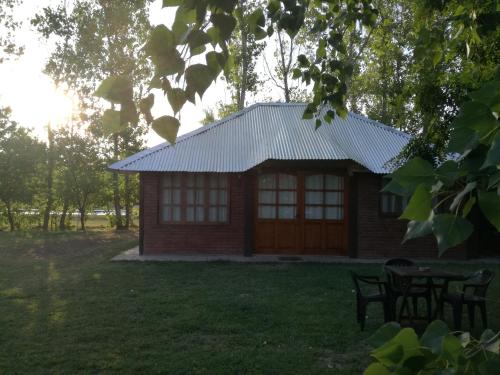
{"x": 415, "y": 271}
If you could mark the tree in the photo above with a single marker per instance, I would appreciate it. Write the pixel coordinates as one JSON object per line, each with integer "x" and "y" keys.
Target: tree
{"x": 8, "y": 25}
{"x": 19, "y": 156}
{"x": 96, "y": 39}
{"x": 82, "y": 171}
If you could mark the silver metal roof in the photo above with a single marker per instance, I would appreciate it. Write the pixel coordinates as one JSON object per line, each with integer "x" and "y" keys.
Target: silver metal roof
{"x": 271, "y": 131}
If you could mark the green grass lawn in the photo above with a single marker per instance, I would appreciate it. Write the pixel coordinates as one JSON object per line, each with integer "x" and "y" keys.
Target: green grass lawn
{"x": 64, "y": 308}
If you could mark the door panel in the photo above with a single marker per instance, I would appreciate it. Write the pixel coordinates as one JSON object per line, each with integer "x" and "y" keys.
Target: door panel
{"x": 301, "y": 214}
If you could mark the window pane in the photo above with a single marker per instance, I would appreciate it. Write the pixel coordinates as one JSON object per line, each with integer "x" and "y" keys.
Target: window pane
{"x": 287, "y": 197}
{"x": 313, "y": 212}
{"x": 176, "y": 180}
{"x": 314, "y": 197}
{"x": 385, "y": 203}
{"x": 212, "y": 214}
{"x": 267, "y": 197}
{"x": 167, "y": 196}
{"x": 334, "y": 213}
{"x": 222, "y": 181}
{"x": 176, "y": 213}
{"x": 200, "y": 196}
{"x": 314, "y": 182}
{"x": 212, "y": 197}
{"x": 190, "y": 213}
{"x": 223, "y": 214}
{"x": 267, "y": 181}
{"x": 286, "y": 212}
{"x": 222, "y": 197}
{"x": 287, "y": 181}
{"x": 334, "y": 182}
{"x": 334, "y": 198}
{"x": 167, "y": 213}
{"x": 200, "y": 213}
{"x": 267, "y": 212}
{"x": 167, "y": 181}
{"x": 176, "y": 196}
{"x": 190, "y": 196}
{"x": 200, "y": 180}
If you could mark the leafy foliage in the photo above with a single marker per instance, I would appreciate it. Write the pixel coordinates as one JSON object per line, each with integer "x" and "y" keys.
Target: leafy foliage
{"x": 460, "y": 183}
{"x": 400, "y": 351}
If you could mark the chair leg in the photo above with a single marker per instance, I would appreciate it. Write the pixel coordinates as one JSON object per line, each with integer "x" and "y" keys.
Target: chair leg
{"x": 472, "y": 309}
{"x": 428, "y": 300}
{"x": 362, "y": 315}
{"x": 482, "y": 307}
{"x": 415, "y": 306}
{"x": 457, "y": 315}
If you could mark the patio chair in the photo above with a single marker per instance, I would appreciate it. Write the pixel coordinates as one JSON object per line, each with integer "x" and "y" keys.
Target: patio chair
{"x": 473, "y": 295}
{"x": 364, "y": 297}
{"x": 417, "y": 290}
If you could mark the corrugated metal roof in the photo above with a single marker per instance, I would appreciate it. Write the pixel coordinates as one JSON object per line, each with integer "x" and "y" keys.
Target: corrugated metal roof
{"x": 271, "y": 131}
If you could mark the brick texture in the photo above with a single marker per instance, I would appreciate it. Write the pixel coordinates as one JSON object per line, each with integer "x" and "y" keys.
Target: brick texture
{"x": 380, "y": 236}
{"x": 187, "y": 238}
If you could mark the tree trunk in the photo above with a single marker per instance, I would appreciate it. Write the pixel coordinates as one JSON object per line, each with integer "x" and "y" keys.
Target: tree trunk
{"x": 127, "y": 201}
{"x": 116, "y": 187}
{"x": 10, "y": 217}
{"x": 82, "y": 218}
{"x": 50, "y": 173}
{"x": 62, "y": 220}
{"x": 285, "y": 67}
{"x": 245, "y": 60}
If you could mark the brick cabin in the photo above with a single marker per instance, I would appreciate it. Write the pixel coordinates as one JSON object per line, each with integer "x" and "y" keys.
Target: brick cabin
{"x": 264, "y": 181}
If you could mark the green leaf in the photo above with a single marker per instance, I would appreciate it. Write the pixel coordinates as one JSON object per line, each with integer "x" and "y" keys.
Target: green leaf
{"x": 451, "y": 349}
{"x": 169, "y": 64}
{"x": 197, "y": 38}
{"x": 420, "y": 205}
{"x": 384, "y": 334}
{"x": 111, "y": 122}
{"x": 449, "y": 172}
{"x": 376, "y": 369}
{"x": 416, "y": 229}
{"x": 476, "y": 116}
{"x": 161, "y": 41}
{"x": 462, "y": 140}
{"x": 468, "y": 206}
{"x": 415, "y": 172}
{"x": 212, "y": 59}
{"x": 401, "y": 347}
{"x": 493, "y": 155}
{"x": 450, "y": 230}
{"x": 225, "y": 5}
{"x": 117, "y": 89}
{"x": 199, "y": 77}
{"x": 224, "y": 24}
{"x": 145, "y": 106}
{"x": 167, "y": 127}
{"x": 172, "y": 3}
{"x": 176, "y": 98}
{"x": 494, "y": 180}
{"x": 489, "y": 202}
{"x": 460, "y": 196}
{"x": 488, "y": 94}
{"x": 434, "y": 335}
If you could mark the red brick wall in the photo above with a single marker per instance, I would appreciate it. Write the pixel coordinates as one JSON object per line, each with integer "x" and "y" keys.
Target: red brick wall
{"x": 380, "y": 236}
{"x": 192, "y": 239}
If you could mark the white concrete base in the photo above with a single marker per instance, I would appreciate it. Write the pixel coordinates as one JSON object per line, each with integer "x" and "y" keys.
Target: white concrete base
{"x": 133, "y": 255}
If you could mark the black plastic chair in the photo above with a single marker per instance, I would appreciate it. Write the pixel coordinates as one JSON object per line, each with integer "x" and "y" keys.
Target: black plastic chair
{"x": 473, "y": 295}
{"x": 363, "y": 297}
{"x": 417, "y": 290}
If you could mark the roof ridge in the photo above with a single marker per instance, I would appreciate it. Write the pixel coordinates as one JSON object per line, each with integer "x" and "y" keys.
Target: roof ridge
{"x": 380, "y": 125}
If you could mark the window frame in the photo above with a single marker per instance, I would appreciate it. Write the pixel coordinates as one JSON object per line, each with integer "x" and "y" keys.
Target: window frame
{"x": 381, "y": 194}
{"x": 277, "y": 190}
{"x": 324, "y": 191}
{"x": 206, "y": 196}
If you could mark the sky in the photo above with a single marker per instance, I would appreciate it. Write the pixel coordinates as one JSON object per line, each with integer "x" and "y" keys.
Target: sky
{"x": 35, "y": 101}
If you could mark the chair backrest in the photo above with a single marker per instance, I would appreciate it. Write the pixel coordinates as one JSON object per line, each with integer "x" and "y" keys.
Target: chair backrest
{"x": 399, "y": 262}
{"x": 396, "y": 283}
{"x": 355, "y": 279}
{"x": 480, "y": 281}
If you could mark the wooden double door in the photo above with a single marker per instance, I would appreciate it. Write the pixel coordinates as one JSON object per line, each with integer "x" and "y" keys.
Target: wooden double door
{"x": 301, "y": 213}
